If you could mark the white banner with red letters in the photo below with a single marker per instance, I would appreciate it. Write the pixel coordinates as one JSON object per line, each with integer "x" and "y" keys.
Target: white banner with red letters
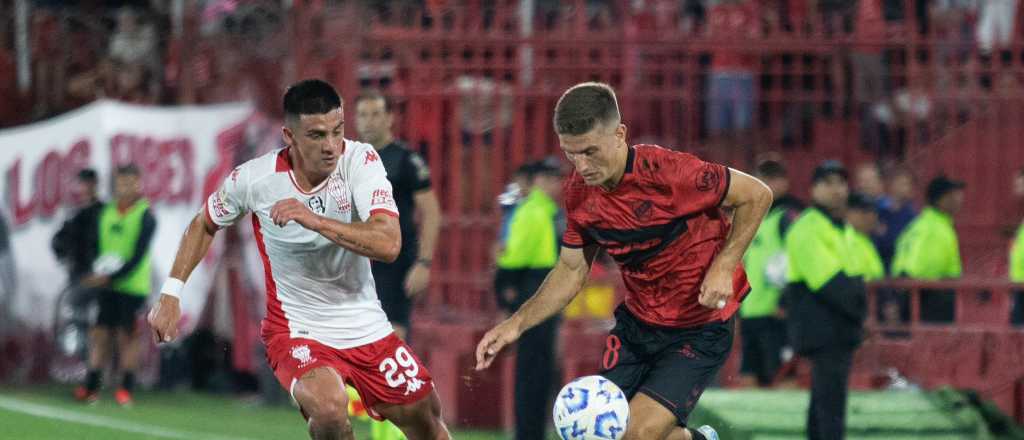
{"x": 183, "y": 154}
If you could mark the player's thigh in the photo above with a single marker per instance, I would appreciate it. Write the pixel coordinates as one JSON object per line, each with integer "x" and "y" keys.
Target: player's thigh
{"x": 621, "y": 364}
{"x": 128, "y": 314}
{"x": 109, "y": 314}
{"x": 320, "y": 393}
{"x": 679, "y": 376}
{"x": 418, "y": 420}
{"x": 386, "y": 372}
{"x": 648, "y": 419}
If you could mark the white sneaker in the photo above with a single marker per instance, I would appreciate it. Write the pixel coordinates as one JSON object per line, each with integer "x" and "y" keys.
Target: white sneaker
{"x": 708, "y": 432}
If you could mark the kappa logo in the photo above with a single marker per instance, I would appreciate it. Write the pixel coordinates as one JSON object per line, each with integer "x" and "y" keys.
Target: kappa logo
{"x": 371, "y": 156}
{"x": 220, "y": 209}
{"x": 302, "y": 354}
{"x": 413, "y": 385}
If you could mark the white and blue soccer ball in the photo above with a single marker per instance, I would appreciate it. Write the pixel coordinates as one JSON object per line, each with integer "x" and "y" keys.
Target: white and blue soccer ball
{"x": 591, "y": 408}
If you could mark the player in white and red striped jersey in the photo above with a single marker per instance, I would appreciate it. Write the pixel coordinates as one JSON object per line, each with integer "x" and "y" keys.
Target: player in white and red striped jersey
{"x": 321, "y": 208}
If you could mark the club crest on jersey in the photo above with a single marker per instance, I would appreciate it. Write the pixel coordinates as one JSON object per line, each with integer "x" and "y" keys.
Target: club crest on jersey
{"x": 371, "y": 156}
{"x": 317, "y": 205}
{"x": 336, "y": 189}
{"x": 642, "y": 209}
{"x": 707, "y": 180}
{"x": 303, "y": 355}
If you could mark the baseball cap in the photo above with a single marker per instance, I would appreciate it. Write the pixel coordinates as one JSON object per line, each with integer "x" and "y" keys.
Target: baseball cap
{"x": 549, "y": 166}
{"x": 88, "y": 175}
{"x": 829, "y": 168}
{"x": 860, "y": 201}
{"x": 941, "y": 186}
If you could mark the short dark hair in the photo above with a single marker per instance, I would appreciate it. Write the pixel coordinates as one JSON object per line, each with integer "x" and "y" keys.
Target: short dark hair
{"x": 940, "y": 186}
{"x": 88, "y": 175}
{"x": 310, "y": 97}
{"x": 584, "y": 106}
{"x": 373, "y": 95}
{"x": 127, "y": 170}
{"x": 771, "y": 169}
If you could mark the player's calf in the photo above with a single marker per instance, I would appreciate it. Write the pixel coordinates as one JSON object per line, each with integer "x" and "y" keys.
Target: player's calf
{"x": 321, "y": 395}
{"x": 420, "y": 420}
{"x": 648, "y": 419}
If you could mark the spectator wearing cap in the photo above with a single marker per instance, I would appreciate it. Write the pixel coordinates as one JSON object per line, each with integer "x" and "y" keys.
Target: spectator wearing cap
{"x": 929, "y": 248}
{"x": 75, "y": 243}
{"x": 825, "y": 299}
{"x": 509, "y": 201}
{"x": 531, "y": 250}
{"x": 895, "y": 212}
{"x": 862, "y": 220}
{"x": 763, "y": 329}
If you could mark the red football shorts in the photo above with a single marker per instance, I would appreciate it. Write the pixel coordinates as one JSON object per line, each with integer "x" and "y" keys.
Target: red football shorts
{"x": 385, "y": 371}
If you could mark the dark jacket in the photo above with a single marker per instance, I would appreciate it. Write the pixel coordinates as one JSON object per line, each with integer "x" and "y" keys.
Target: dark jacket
{"x": 77, "y": 240}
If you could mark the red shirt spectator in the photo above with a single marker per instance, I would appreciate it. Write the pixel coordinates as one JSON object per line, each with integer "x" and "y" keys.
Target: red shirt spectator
{"x": 734, "y": 22}
{"x": 869, "y": 26}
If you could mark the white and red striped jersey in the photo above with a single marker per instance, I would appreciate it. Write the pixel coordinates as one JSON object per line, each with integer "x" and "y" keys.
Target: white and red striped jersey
{"x": 315, "y": 288}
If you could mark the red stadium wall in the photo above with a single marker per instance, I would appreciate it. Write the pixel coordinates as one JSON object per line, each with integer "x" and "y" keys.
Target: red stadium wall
{"x": 475, "y": 88}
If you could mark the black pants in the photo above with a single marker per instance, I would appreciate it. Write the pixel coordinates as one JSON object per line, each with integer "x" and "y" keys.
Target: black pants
{"x": 535, "y": 368}
{"x": 830, "y": 376}
{"x": 763, "y": 339}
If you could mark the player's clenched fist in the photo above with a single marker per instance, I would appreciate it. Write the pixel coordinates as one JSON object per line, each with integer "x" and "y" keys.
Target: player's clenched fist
{"x": 716, "y": 290}
{"x": 163, "y": 319}
{"x": 494, "y": 340}
{"x": 288, "y": 210}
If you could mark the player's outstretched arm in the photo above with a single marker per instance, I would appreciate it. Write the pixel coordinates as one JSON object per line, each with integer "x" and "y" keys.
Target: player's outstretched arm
{"x": 560, "y": 286}
{"x": 379, "y": 237}
{"x": 195, "y": 243}
{"x": 751, "y": 198}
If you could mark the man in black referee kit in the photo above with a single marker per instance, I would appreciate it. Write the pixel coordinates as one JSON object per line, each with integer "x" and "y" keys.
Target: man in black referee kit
{"x": 399, "y": 282}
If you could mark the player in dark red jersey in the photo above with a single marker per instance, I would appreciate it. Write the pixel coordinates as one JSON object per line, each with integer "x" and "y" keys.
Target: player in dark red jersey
{"x": 659, "y": 214}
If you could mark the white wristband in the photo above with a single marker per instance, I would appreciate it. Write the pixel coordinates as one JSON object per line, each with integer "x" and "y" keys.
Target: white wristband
{"x": 172, "y": 287}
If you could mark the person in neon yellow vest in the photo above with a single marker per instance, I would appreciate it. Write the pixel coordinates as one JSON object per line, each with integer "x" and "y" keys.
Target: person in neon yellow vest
{"x": 825, "y": 300}
{"x": 763, "y": 328}
{"x": 382, "y": 430}
{"x": 929, "y": 248}
{"x": 1017, "y": 273}
{"x": 861, "y": 221}
{"x": 121, "y": 275}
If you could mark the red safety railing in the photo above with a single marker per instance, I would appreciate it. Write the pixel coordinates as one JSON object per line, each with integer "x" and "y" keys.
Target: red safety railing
{"x": 476, "y": 83}
{"x": 476, "y": 87}
{"x": 981, "y": 349}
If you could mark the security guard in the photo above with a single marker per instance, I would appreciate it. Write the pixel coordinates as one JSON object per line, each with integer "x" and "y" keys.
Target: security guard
{"x": 763, "y": 330}
{"x": 1017, "y": 275}
{"x": 825, "y": 299}
{"x": 121, "y": 273}
{"x": 929, "y": 249}
{"x": 862, "y": 219}
{"x": 531, "y": 251}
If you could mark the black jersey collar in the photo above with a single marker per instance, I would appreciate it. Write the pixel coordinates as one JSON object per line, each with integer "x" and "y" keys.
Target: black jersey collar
{"x": 838, "y": 222}
{"x": 630, "y": 158}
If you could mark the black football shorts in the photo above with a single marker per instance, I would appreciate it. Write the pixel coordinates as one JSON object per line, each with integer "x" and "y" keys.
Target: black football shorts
{"x": 670, "y": 365}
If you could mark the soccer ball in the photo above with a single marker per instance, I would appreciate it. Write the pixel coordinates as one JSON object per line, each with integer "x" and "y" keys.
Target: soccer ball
{"x": 591, "y": 408}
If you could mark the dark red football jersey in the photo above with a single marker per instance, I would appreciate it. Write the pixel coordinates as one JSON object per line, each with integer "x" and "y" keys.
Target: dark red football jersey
{"x": 663, "y": 224}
